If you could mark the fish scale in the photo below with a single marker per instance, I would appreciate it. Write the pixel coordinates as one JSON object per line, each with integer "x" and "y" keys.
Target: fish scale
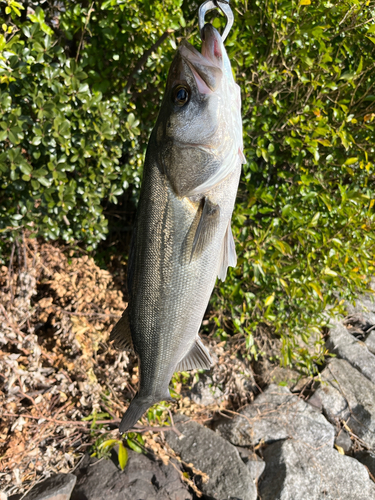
{"x": 182, "y": 239}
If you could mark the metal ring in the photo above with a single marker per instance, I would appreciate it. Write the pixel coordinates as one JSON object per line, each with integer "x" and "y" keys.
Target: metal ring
{"x": 223, "y": 5}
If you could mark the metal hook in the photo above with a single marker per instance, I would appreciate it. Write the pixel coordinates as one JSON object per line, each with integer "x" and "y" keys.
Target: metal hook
{"x": 223, "y": 5}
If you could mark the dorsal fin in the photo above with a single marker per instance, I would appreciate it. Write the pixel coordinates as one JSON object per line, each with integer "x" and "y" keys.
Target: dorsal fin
{"x": 121, "y": 333}
{"x": 197, "y": 358}
{"x": 206, "y": 228}
{"x": 228, "y": 254}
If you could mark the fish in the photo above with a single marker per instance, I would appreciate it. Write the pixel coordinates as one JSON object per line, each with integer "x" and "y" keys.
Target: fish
{"x": 182, "y": 238}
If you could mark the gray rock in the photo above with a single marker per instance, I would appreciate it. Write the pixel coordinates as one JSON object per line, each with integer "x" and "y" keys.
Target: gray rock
{"x": 359, "y": 324}
{"x": 348, "y": 396}
{"x": 205, "y": 393}
{"x": 316, "y": 402}
{"x": 142, "y": 479}
{"x": 366, "y": 458}
{"x": 207, "y": 451}
{"x": 370, "y": 342}
{"x": 57, "y": 487}
{"x": 277, "y": 414}
{"x": 364, "y": 303}
{"x": 255, "y": 468}
{"x": 296, "y": 471}
{"x": 254, "y": 464}
{"x": 343, "y": 344}
{"x": 343, "y": 440}
{"x": 362, "y": 321}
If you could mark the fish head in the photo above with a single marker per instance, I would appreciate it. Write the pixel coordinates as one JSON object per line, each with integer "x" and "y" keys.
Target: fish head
{"x": 189, "y": 109}
{"x": 192, "y": 128}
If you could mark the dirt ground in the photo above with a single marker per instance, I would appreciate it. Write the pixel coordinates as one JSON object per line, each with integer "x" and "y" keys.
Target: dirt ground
{"x": 64, "y": 388}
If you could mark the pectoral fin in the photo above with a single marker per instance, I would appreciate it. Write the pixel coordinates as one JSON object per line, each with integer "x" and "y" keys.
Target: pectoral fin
{"x": 206, "y": 228}
{"x": 197, "y": 358}
{"x": 121, "y": 334}
{"x": 228, "y": 254}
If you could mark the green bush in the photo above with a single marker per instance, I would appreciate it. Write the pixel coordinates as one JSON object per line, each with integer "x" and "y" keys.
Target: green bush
{"x": 304, "y": 223}
{"x": 80, "y": 90}
{"x": 68, "y": 133}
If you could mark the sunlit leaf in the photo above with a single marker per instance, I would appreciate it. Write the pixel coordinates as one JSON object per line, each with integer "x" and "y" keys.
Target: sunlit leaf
{"x": 269, "y": 300}
{"x": 134, "y": 446}
{"x": 122, "y": 456}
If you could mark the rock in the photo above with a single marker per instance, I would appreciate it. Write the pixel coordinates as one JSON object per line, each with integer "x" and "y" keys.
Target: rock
{"x": 366, "y": 458}
{"x": 255, "y": 468}
{"x": 364, "y": 303}
{"x": 205, "y": 393}
{"x": 208, "y": 452}
{"x": 370, "y": 342}
{"x": 270, "y": 372}
{"x": 254, "y": 464}
{"x": 277, "y": 414}
{"x": 56, "y": 487}
{"x": 343, "y": 441}
{"x": 316, "y": 402}
{"x": 297, "y": 471}
{"x": 348, "y": 396}
{"x": 359, "y": 324}
{"x": 343, "y": 344}
{"x": 142, "y": 479}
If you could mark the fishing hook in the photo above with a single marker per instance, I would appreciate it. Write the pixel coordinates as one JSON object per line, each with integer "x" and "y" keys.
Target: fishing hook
{"x": 223, "y": 5}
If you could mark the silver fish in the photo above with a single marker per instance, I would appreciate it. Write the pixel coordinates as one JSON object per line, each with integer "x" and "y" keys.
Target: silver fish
{"x": 182, "y": 238}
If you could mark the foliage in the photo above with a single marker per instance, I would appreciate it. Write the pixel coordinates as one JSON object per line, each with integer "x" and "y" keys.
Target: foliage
{"x": 80, "y": 89}
{"x": 304, "y": 223}
{"x": 65, "y": 145}
{"x": 103, "y": 446}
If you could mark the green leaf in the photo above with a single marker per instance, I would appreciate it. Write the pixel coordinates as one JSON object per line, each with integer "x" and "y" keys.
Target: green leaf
{"x": 45, "y": 182}
{"x": 329, "y": 272}
{"x": 25, "y": 168}
{"x": 360, "y": 66}
{"x": 317, "y": 289}
{"x": 134, "y": 446}
{"x": 347, "y": 76}
{"x": 351, "y": 161}
{"x": 122, "y": 456}
{"x": 108, "y": 444}
{"x": 269, "y": 300}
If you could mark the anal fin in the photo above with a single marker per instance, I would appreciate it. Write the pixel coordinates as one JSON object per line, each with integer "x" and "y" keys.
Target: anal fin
{"x": 197, "y": 358}
{"x": 228, "y": 254}
{"x": 121, "y": 333}
{"x": 206, "y": 228}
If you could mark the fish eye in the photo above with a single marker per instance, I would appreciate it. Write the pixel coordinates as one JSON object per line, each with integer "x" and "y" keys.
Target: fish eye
{"x": 180, "y": 95}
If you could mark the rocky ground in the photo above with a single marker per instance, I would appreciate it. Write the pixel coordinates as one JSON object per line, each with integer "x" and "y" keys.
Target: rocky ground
{"x": 303, "y": 439}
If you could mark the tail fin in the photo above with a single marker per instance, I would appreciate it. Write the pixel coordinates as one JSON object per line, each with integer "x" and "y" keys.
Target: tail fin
{"x": 135, "y": 411}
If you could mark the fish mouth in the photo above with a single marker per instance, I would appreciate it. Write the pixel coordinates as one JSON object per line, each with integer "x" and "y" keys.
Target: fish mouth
{"x": 207, "y": 67}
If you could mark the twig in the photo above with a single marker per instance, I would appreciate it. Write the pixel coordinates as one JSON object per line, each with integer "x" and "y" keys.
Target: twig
{"x": 173, "y": 427}
{"x": 84, "y": 29}
{"x": 58, "y": 422}
{"x": 24, "y": 394}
